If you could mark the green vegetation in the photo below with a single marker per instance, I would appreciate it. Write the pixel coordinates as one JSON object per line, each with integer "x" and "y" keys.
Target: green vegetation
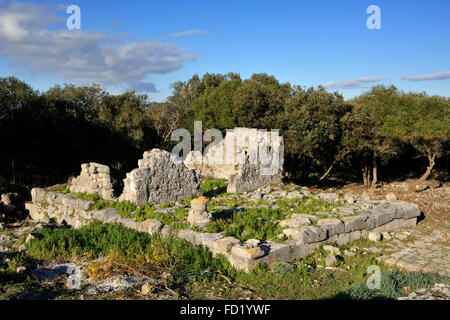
{"x": 392, "y": 284}
{"x": 213, "y": 187}
{"x": 323, "y": 134}
{"x": 177, "y": 256}
{"x": 248, "y": 224}
{"x": 261, "y": 223}
{"x": 195, "y": 274}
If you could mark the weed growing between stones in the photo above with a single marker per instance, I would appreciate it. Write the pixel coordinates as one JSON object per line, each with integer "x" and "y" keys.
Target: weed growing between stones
{"x": 125, "y": 247}
{"x": 392, "y": 285}
{"x": 253, "y": 223}
{"x": 213, "y": 187}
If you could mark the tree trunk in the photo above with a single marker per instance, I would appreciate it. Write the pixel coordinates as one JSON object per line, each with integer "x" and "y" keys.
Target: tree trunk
{"x": 327, "y": 172}
{"x": 366, "y": 175}
{"x": 427, "y": 173}
{"x": 374, "y": 173}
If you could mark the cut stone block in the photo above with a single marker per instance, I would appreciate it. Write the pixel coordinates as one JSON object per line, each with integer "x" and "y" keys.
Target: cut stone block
{"x": 306, "y": 234}
{"x": 354, "y": 223}
{"x": 332, "y": 225}
{"x": 224, "y": 245}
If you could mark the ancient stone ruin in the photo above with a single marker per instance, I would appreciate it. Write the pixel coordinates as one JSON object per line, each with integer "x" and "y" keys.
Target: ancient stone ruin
{"x": 368, "y": 220}
{"x": 159, "y": 179}
{"x": 248, "y": 158}
{"x": 93, "y": 179}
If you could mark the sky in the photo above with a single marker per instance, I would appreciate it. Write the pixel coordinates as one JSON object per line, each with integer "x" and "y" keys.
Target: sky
{"x": 147, "y": 45}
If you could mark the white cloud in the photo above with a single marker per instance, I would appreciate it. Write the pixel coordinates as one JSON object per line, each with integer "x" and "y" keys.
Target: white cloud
{"x": 188, "y": 33}
{"x": 434, "y": 76}
{"x": 28, "y": 38}
{"x": 352, "y": 84}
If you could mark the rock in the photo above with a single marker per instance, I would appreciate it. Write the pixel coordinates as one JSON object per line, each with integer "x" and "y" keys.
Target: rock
{"x": 199, "y": 219}
{"x": 400, "y": 236}
{"x": 374, "y": 236}
{"x": 252, "y": 243}
{"x": 22, "y": 248}
{"x": 160, "y": 178}
{"x": 224, "y": 245}
{"x": 199, "y": 205}
{"x": 295, "y": 222}
{"x": 333, "y": 250}
{"x": 349, "y": 253}
{"x": 94, "y": 179}
{"x": 391, "y": 197}
{"x": 307, "y": 234}
{"x": 386, "y": 236}
{"x": 354, "y": 223}
{"x": 330, "y": 197}
{"x": 152, "y": 226}
{"x": 53, "y": 272}
{"x": 167, "y": 232}
{"x": 146, "y": 289}
{"x": 294, "y": 195}
{"x": 365, "y": 196}
{"x": 21, "y": 269}
{"x": 247, "y": 253}
{"x": 330, "y": 260}
{"x": 332, "y": 225}
{"x": 349, "y": 198}
{"x": 29, "y": 238}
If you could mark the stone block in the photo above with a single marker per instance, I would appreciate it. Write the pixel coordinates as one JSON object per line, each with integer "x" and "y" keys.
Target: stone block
{"x": 306, "y": 234}
{"x": 354, "y": 223}
{"x": 38, "y": 195}
{"x": 224, "y": 245}
{"x": 332, "y": 225}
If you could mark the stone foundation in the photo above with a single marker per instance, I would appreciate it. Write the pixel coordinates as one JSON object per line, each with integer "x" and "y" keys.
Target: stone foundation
{"x": 379, "y": 217}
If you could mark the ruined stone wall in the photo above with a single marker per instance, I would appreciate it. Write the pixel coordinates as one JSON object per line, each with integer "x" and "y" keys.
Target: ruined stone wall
{"x": 47, "y": 205}
{"x": 159, "y": 179}
{"x": 238, "y": 158}
{"x": 380, "y": 217}
{"x": 93, "y": 179}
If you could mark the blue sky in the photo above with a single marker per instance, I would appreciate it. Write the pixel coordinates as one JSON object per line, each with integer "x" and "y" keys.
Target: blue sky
{"x": 150, "y": 44}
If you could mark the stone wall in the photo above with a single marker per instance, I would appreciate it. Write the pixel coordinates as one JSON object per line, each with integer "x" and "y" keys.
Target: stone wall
{"x": 93, "y": 179}
{"x": 159, "y": 179}
{"x": 379, "y": 217}
{"x": 47, "y": 205}
{"x": 305, "y": 239}
{"x": 238, "y": 159}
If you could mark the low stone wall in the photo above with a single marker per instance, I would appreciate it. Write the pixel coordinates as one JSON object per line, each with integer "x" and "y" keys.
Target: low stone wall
{"x": 159, "y": 179}
{"x": 304, "y": 240}
{"x": 93, "y": 179}
{"x": 379, "y": 217}
{"x": 77, "y": 213}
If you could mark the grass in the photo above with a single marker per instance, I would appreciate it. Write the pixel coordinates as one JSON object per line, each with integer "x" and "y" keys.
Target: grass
{"x": 213, "y": 187}
{"x": 392, "y": 284}
{"x": 251, "y": 223}
{"x": 261, "y": 223}
{"x": 177, "y": 219}
{"x": 180, "y": 258}
{"x": 195, "y": 274}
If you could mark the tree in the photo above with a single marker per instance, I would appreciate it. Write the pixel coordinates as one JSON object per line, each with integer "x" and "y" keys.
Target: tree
{"x": 311, "y": 127}
{"x": 363, "y": 134}
{"x": 424, "y": 122}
